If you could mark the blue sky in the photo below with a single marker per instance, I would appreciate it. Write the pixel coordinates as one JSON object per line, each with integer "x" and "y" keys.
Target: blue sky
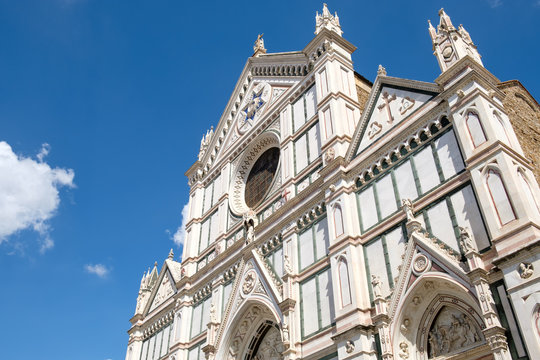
{"x": 102, "y": 107}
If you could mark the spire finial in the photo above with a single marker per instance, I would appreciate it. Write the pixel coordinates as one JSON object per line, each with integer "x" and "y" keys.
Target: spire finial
{"x": 155, "y": 264}
{"x": 445, "y": 21}
{"x": 328, "y": 21}
{"x": 451, "y": 44}
{"x": 432, "y": 31}
{"x": 171, "y": 254}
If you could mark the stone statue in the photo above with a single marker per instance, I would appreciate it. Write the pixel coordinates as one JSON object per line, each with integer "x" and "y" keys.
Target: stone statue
{"x": 376, "y": 285}
{"x": 407, "y": 207}
{"x": 525, "y": 270}
{"x": 465, "y": 240}
{"x": 213, "y": 315}
{"x": 329, "y": 155}
{"x": 287, "y": 265}
{"x": 381, "y": 71}
{"x": 405, "y": 325}
{"x": 258, "y": 46}
{"x": 349, "y": 346}
{"x": 249, "y": 226}
{"x": 285, "y": 332}
{"x": 403, "y": 350}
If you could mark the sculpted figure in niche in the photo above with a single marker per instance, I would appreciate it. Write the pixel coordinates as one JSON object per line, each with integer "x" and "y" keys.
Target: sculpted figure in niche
{"x": 330, "y": 155}
{"x": 213, "y": 315}
{"x": 403, "y": 350}
{"x": 349, "y": 346}
{"x": 465, "y": 240}
{"x": 376, "y": 285}
{"x": 405, "y": 326}
{"x": 525, "y": 270}
{"x": 285, "y": 332}
{"x": 249, "y": 226}
{"x": 287, "y": 265}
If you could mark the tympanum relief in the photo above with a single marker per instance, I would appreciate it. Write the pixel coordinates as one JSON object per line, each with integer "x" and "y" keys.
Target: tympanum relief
{"x": 271, "y": 346}
{"x": 452, "y": 331}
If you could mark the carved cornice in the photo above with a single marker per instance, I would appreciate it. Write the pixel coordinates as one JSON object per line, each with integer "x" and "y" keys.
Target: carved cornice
{"x": 351, "y": 332}
{"x": 158, "y": 324}
{"x": 461, "y": 66}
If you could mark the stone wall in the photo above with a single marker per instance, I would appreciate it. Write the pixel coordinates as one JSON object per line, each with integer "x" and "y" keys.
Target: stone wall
{"x": 363, "y": 88}
{"x": 524, "y": 113}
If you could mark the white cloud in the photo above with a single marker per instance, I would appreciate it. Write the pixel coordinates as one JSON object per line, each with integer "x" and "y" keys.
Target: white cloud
{"x": 45, "y": 148}
{"x": 180, "y": 235}
{"x": 29, "y": 193}
{"x": 495, "y": 3}
{"x": 97, "y": 269}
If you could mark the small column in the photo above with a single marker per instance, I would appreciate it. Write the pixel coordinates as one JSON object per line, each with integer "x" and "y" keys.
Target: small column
{"x": 381, "y": 319}
{"x": 213, "y": 326}
{"x": 287, "y": 307}
{"x": 493, "y": 332}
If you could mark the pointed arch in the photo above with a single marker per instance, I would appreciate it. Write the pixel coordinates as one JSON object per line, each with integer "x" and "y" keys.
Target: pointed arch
{"x": 244, "y": 329}
{"x": 344, "y": 282}
{"x": 338, "y": 221}
{"x": 527, "y": 188}
{"x": 500, "y": 120}
{"x": 421, "y": 305}
{"x": 475, "y": 128}
{"x": 177, "y": 326}
{"x": 499, "y": 196}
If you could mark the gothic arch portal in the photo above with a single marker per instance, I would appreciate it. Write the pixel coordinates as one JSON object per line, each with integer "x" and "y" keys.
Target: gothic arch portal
{"x": 254, "y": 333}
{"x": 439, "y": 317}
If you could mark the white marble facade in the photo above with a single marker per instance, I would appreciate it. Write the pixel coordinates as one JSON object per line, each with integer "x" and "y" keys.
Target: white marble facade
{"x": 322, "y": 228}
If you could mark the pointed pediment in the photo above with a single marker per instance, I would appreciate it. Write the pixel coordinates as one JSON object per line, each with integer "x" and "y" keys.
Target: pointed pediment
{"x": 164, "y": 289}
{"x": 391, "y": 101}
{"x": 425, "y": 254}
{"x": 252, "y": 284}
{"x": 262, "y": 84}
{"x": 259, "y": 98}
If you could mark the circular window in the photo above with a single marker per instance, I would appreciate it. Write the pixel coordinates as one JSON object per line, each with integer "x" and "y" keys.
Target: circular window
{"x": 261, "y": 176}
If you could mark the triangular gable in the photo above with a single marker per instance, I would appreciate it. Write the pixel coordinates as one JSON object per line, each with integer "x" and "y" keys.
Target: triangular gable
{"x": 391, "y": 101}
{"x": 273, "y": 74}
{"x": 259, "y": 98}
{"x": 252, "y": 282}
{"x": 425, "y": 253}
{"x": 175, "y": 268}
{"x": 164, "y": 289}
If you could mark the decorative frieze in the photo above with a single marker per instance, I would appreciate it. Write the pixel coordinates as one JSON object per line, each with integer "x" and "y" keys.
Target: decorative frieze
{"x": 158, "y": 324}
{"x": 420, "y": 136}
{"x": 202, "y": 293}
{"x": 311, "y": 216}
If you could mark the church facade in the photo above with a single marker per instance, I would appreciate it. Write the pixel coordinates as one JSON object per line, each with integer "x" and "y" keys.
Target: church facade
{"x": 335, "y": 218}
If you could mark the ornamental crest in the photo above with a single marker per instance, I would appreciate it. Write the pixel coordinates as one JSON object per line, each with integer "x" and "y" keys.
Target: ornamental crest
{"x": 252, "y": 106}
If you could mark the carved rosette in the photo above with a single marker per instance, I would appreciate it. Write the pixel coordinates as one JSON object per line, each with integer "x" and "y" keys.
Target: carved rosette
{"x": 421, "y": 264}
{"x": 250, "y": 279}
